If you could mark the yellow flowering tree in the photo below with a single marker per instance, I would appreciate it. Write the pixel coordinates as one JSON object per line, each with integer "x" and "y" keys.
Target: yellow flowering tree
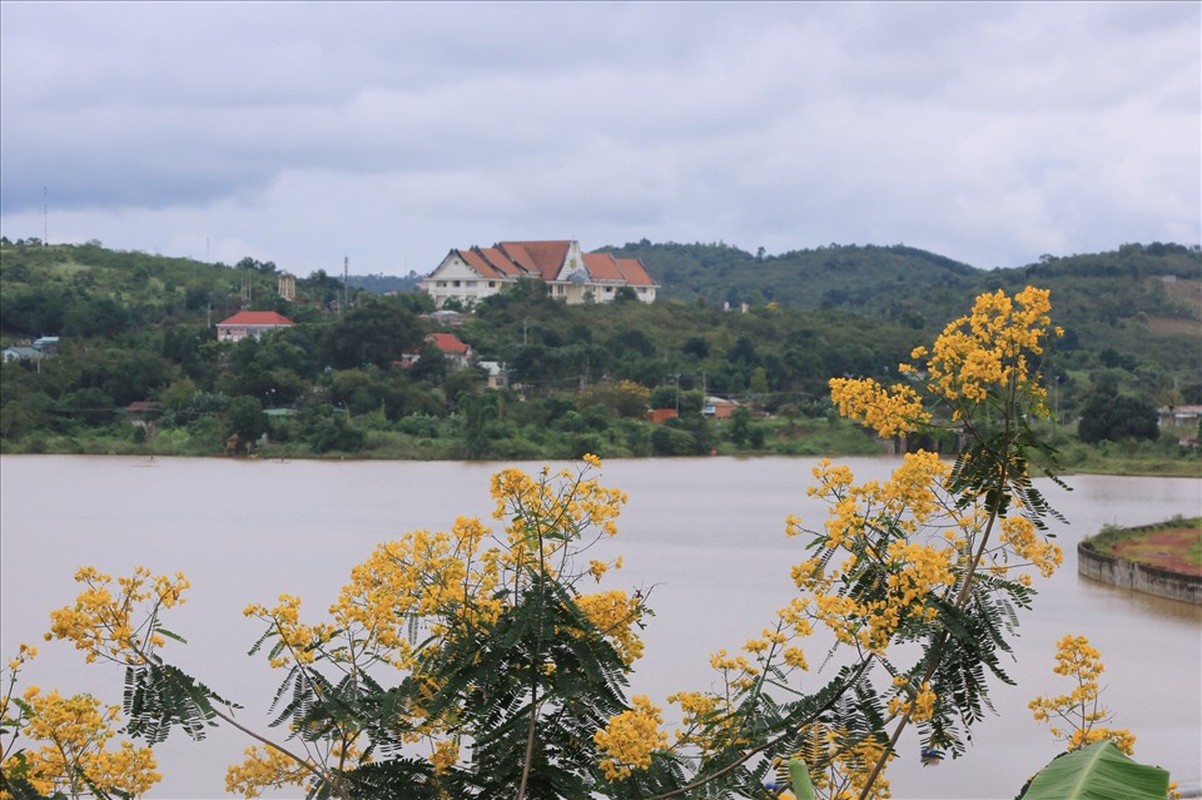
{"x": 917, "y": 580}
{"x": 58, "y": 746}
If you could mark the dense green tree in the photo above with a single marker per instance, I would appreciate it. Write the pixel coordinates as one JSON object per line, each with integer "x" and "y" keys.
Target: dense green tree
{"x": 244, "y": 418}
{"x": 669, "y": 441}
{"x": 377, "y": 331}
{"x": 90, "y": 406}
{"x": 1110, "y": 416}
{"x": 739, "y": 430}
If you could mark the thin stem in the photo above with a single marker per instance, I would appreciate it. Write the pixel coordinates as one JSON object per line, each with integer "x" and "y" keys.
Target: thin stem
{"x": 534, "y": 665}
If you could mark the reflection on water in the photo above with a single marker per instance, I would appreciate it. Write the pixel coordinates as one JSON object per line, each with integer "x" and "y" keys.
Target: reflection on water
{"x": 704, "y": 536}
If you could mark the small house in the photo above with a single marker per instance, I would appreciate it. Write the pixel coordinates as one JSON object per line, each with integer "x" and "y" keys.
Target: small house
{"x": 250, "y": 323}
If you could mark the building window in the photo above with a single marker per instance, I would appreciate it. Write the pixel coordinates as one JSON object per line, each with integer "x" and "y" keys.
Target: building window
{"x": 442, "y": 284}
{"x": 492, "y": 284}
{"x": 455, "y": 283}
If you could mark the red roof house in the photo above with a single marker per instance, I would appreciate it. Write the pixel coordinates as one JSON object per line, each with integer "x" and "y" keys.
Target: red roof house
{"x": 250, "y": 323}
{"x": 455, "y": 349}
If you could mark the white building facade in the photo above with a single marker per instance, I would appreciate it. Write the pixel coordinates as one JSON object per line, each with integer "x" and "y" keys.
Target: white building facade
{"x": 471, "y": 275}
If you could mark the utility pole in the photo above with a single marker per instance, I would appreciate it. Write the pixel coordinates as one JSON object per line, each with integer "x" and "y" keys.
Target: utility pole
{"x": 346, "y": 285}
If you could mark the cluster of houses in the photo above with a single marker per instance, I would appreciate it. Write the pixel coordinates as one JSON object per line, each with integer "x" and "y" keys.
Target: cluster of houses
{"x": 34, "y": 352}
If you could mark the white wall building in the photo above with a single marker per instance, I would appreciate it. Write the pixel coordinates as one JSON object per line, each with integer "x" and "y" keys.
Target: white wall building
{"x": 572, "y": 276}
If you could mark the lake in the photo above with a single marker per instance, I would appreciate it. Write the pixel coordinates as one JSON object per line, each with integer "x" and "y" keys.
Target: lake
{"x": 704, "y": 536}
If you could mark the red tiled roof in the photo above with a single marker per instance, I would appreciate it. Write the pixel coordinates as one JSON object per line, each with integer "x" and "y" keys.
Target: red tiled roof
{"x": 602, "y": 267}
{"x": 257, "y": 318}
{"x": 448, "y": 343}
{"x": 634, "y": 272}
{"x": 477, "y": 262}
{"x": 501, "y": 262}
{"x": 542, "y": 258}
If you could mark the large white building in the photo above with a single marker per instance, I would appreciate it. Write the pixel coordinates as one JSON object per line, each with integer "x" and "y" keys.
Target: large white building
{"x": 572, "y": 276}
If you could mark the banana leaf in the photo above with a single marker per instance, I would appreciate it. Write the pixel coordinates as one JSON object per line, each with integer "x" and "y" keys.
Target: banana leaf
{"x": 1098, "y": 772}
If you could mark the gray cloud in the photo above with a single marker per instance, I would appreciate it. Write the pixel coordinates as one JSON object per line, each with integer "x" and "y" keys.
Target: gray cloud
{"x": 392, "y": 132}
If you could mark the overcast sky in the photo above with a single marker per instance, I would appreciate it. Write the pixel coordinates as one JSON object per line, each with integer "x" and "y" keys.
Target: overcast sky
{"x": 389, "y": 133}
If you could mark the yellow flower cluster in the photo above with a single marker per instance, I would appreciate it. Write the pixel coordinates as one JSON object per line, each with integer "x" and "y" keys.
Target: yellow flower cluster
{"x": 549, "y": 513}
{"x": 264, "y": 768}
{"x": 25, "y": 652}
{"x": 76, "y": 731}
{"x": 1075, "y": 717}
{"x": 985, "y": 354}
{"x": 918, "y": 705}
{"x": 1020, "y": 537}
{"x": 445, "y": 754}
{"x": 118, "y": 622}
{"x": 872, "y": 523}
{"x": 987, "y": 351}
{"x": 615, "y": 614}
{"x": 890, "y": 412}
{"x": 839, "y": 763}
{"x": 301, "y": 643}
{"x": 630, "y": 739}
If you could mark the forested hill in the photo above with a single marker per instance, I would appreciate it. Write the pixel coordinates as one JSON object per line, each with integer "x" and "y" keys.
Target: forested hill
{"x": 899, "y": 281}
{"x": 1139, "y": 302}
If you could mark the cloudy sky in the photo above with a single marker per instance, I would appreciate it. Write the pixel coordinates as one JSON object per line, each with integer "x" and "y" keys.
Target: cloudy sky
{"x": 388, "y": 133}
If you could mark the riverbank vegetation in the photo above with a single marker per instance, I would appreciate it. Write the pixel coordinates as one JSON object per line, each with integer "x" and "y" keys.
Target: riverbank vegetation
{"x": 475, "y": 663}
{"x": 137, "y": 367}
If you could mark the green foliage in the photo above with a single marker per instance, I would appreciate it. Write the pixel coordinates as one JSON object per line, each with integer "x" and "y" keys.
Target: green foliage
{"x": 244, "y": 418}
{"x": 1107, "y": 415}
{"x": 1099, "y": 771}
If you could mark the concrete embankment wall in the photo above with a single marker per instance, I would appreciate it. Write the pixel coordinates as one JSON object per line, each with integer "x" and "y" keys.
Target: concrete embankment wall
{"x": 1140, "y": 577}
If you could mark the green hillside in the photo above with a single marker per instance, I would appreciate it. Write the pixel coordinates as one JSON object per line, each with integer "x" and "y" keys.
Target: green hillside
{"x": 136, "y": 327}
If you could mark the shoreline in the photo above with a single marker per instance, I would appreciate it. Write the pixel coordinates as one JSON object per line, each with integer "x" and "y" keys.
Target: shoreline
{"x": 1099, "y": 558}
{"x": 1119, "y": 467}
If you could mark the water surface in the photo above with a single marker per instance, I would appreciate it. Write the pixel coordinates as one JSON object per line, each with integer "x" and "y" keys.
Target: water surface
{"x": 705, "y": 537}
